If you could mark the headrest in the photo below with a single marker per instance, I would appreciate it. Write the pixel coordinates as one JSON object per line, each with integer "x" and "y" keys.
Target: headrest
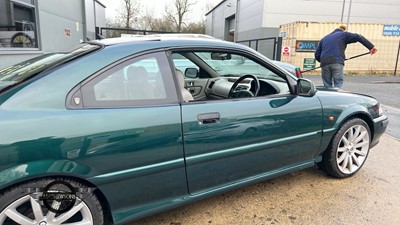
{"x": 181, "y": 78}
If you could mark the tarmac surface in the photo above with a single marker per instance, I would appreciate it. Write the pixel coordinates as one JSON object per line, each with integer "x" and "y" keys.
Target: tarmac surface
{"x": 386, "y": 89}
{"x": 372, "y": 196}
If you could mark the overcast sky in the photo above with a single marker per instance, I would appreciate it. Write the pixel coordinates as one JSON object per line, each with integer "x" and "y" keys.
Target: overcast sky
{"x": 157, "y": 8}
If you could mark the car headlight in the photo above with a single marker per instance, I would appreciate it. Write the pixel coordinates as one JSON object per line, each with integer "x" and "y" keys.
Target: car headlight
{"x": 378, "y": 110}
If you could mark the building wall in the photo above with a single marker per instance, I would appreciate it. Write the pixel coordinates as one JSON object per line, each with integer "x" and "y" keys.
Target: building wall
{"x": 90, "y": 23}
{"x": 262, "y": 18}
{"x": 383, "y": 61}
{"x": 4, "y": 11}
{"x": 250, "y": 15}
{"x": 256, "y": 15}
{"x": 362, "y": 11}
{"x": 100, "y": 15}
{"x": 61, "y": 25}
{"x": 217, "y": 19}
{"x": 249, "y": 22}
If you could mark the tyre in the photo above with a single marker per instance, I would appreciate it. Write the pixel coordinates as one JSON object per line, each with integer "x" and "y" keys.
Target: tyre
{"x": 50, "y": 201}
{"x": 348, "y": 150}
{"x": 21, "y": 40}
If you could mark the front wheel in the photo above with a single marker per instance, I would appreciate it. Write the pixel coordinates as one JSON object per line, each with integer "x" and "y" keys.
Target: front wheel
{"x": 50, "y": 201}
{"x": 348, "y": 150}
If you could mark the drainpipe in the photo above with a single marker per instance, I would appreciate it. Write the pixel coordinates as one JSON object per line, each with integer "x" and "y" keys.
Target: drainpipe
{"x": 236, "y": 21}
{"x": 397, "y": 59}
{"x": 348, "y": 16}
{"x": 341, "y": 18}
{"x": 84, "y": 28}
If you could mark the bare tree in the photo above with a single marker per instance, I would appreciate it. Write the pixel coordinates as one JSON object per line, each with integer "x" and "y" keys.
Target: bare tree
{"x": 195, "y": 28}
{"x": 130, "y": 11}
{"x": 156, "y": 24}
{"x": 112, "y": 33}
{"x": 177, "y": 15}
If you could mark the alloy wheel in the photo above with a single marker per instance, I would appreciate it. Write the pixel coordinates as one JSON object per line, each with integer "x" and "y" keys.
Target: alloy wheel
{"x": 28, "y": 210}
{"x": 353, "y": 149}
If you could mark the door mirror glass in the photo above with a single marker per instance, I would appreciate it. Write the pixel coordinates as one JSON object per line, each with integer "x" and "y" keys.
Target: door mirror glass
{"x": 305, "y": 88}
{"x": 191, "y": 73}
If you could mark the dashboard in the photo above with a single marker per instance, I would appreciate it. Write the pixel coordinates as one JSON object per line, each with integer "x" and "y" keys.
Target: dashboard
{"x": 219, "y": 88}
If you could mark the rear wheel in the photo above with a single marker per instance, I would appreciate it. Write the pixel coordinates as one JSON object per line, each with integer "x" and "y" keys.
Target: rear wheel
{"x": 348, "y": 150}
{"x": 50, "y": 201}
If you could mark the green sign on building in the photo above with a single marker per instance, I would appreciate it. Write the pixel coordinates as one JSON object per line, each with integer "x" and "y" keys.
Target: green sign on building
{"x": 308, "y": 63}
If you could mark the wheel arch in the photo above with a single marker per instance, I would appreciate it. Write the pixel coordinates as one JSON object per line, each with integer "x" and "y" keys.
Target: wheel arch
{"x": 362, "y": 115}
{"x": 44, "y": 173}
{"x": 345, "y": 116}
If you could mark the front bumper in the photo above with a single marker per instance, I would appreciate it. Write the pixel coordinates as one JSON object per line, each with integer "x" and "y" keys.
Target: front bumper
{"x": 380, "y": 125}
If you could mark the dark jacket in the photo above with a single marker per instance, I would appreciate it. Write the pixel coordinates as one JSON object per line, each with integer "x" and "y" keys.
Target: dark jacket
{"x": 331, "y": 48}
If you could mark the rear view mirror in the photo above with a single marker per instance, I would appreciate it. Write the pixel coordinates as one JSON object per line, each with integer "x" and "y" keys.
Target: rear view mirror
{"x": 220, "y": 56}
{"x": 191, "y": 73}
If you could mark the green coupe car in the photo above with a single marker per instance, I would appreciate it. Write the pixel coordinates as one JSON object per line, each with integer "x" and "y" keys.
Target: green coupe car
{"x": 118, "y": 129}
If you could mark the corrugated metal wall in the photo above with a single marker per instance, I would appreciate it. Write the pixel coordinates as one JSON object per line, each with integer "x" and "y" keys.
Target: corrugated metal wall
{"x": 383, "y": 61}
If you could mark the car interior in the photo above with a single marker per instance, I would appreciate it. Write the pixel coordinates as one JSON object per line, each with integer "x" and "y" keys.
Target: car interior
{"x": 215, "y": 75}
{"x": 201, "y": 76}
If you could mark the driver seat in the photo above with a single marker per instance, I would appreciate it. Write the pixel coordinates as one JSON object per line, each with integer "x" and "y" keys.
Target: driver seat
{"x": 181, "y": 82}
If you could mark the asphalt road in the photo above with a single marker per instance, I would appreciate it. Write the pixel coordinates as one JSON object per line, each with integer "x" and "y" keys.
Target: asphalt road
{"x": 308, "y": 197}
{"x": 386, "y": 89}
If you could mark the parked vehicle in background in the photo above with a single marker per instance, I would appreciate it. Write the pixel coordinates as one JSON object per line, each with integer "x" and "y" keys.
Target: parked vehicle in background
{"x": 119, "y": 129}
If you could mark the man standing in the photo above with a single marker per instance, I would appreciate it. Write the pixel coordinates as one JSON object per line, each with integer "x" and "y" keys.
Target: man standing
{"x": 330, "y": 53}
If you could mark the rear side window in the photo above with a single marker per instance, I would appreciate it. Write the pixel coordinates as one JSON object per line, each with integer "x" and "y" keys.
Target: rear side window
{"x": 145, "y": 80}
{"x": 21, "y": 72}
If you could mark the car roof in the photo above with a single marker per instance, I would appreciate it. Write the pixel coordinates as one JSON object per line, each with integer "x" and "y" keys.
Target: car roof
{"x": 172, "y": 39}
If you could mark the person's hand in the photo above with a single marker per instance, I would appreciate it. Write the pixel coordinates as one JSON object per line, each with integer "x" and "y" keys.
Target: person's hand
{"x": 373, "y": 51}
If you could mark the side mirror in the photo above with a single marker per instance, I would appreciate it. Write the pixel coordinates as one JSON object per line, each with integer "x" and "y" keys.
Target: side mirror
{"x": 305, "y": 88}
{"x": 191, "y": 73}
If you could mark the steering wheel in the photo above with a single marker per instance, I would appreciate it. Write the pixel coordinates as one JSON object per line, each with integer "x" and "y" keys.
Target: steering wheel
{"x": 245, "y": 93}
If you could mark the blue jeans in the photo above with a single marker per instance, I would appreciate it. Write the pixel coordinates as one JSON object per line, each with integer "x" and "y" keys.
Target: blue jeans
{"x": 333, "y": 72}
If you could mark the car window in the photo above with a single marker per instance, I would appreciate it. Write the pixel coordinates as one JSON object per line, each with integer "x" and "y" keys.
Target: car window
{"x": 216, "y": 75}
{"x": 182, "y": 63}
{"x": 135, "y": 82}
{"x": 19, "y": 73}
{"x": 234, "y": 65}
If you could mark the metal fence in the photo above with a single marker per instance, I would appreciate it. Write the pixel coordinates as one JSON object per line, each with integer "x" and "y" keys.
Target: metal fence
{"x": 110, "y": 32}
{"x": 270, "y": 47}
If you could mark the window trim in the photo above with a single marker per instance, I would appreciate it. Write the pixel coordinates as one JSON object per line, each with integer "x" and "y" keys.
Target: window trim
{"x": 246, "y": 53}
{"x": 167, "y": 76}
{"x": 290, "y": 79}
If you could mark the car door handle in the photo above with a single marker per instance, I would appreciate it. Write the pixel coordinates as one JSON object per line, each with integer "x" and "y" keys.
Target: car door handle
{"x": 207, "y": 118}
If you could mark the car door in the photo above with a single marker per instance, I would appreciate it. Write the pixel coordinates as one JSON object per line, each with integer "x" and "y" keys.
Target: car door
{"x": 130, "y": 128}
{"x": 231, "y": 141}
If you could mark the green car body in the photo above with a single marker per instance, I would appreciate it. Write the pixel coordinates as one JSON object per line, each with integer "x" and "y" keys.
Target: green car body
{"x": 145, "y": 158}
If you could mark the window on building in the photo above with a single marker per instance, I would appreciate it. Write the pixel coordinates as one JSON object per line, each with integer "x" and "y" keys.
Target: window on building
{"x": 230, "y": 26}
{"x": 18, "y": 25}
